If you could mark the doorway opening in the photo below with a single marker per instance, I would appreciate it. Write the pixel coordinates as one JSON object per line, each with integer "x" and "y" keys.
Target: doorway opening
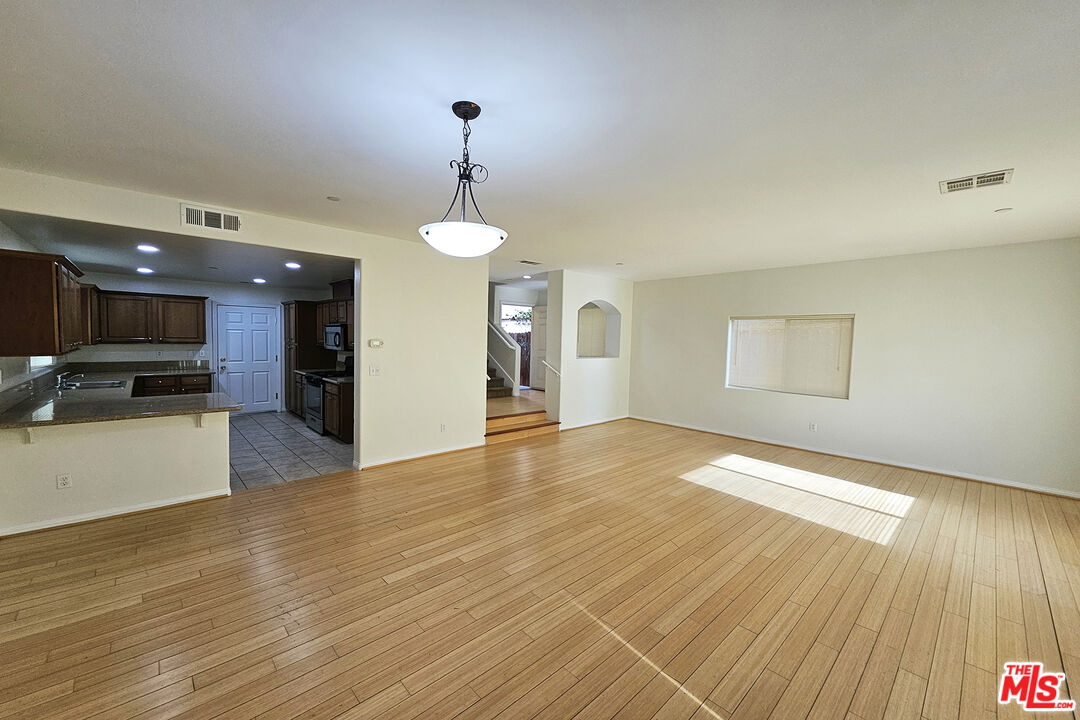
{"x": 517, "y": 346}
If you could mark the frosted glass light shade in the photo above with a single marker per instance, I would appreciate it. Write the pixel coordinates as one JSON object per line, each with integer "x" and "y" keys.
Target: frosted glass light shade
{"x": 462, "y": 239}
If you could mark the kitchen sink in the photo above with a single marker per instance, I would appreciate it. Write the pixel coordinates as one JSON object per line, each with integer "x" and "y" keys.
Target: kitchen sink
{"x": 95, "y": 384}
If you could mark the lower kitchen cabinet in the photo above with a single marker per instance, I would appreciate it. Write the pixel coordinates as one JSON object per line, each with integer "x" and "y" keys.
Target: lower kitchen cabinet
{"x": 338, "y": 410}
{"x": 155, "y": 385}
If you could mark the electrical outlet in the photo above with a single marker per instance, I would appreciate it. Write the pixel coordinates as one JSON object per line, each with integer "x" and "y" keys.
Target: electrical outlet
{"x": 813, "y": 427}
{"x": 63, "y": 480}
{"x": 374, "y": 370}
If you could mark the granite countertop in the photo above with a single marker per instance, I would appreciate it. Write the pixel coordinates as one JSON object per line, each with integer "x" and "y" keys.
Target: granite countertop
{"x": 334, "y": 380}
{"x": 150, "y": 373}
{"x": 56, "y": 407}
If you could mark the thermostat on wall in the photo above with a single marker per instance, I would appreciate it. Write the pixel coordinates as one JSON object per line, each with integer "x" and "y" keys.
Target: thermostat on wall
{"x": 375, "y": 342}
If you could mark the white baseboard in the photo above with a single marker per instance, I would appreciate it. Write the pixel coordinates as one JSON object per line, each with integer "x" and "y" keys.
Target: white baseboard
{"x": 110, "y": 512}
{"x": 868, "y": 458}
{"x": 601, "y": 421}
{"x": 417, "y": 456}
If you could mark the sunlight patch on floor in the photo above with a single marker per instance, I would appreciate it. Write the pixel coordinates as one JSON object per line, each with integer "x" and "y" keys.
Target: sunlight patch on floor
{"x": 859, "y": 510}
{"x": 678, "y": 685}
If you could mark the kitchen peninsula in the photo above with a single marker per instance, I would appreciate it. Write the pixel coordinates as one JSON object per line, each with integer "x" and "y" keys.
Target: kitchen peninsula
{"x": 92, "y": 450}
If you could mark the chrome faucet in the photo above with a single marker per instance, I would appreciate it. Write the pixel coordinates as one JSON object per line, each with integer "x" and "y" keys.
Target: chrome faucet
{"x": 63, "y": 382}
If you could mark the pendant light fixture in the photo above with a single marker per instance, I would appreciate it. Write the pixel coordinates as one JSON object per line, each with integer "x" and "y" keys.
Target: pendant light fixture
{"x": 461, "y": 238}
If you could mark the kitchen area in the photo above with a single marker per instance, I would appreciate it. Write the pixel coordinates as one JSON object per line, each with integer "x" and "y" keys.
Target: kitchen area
{"x": 142, "y": 369}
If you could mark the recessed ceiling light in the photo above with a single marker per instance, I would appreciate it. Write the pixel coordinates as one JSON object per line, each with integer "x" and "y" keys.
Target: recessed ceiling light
{"x": 1003, "y": 210}
{"x": 293, "y": 265}
{"x": 527, "y": 277}
{"x": 333, "y": 198}
{"x": 147, "y": 248}
{"x": 258, "y": 281}
{"x": 144, "y": 271}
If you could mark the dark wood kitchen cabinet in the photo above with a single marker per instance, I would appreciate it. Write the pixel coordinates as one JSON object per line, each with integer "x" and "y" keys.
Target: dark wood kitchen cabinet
{"x": 336, "y": 312}
{"x": 91, "y": 314}
{"x": 338, "y": 410}
{"x": 323, "y": 319}
{"x": 147, "y": 318}
{"x": 158, "y": 385}
{"x": 349, "y": 312}
{"x": 41, "y": 301}
{"x": 302, "y": 350}
{"x": 332, "y": 409}
{"x": 181, "y": 319}
{"x": 126, "y": 317}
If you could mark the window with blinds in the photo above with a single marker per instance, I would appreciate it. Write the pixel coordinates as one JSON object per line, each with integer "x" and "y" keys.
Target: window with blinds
{"x": 806, "y": 355}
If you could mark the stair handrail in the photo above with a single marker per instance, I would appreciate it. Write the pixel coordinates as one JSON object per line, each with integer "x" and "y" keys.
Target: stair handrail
{"x": 507, "y": 340}
{"x": 491, "y": 358}
{"x": 549, "y": 367}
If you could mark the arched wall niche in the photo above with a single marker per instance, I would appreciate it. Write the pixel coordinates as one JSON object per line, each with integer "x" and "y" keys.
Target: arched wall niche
{"x": 599, "y": 330}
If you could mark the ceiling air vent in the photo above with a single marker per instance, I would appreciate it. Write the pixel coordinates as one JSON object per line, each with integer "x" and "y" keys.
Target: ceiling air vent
{"x": 1000, "y": 177}
{"x": 209, "y": 218}
{"x": 529, "y": 262}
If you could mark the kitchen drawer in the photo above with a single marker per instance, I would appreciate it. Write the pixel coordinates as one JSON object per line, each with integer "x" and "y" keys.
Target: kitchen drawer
{"x": 154, "y": 392}
{"x": 194, "y": 380}
{"x": 331, "y": 389}
{"x": 158, "y": 381}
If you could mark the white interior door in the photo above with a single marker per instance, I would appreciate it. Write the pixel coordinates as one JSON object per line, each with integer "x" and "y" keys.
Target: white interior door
{"x": 247, "y": 354}
{"x": 539, "y": 348}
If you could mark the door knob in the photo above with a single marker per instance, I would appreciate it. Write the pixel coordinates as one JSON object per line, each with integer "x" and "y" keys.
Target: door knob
{"x": 221, "y": 369}
{"x": 221, "y": 360}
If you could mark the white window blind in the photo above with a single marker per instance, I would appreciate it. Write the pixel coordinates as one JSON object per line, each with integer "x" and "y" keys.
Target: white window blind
{"x": 808, "y": 355}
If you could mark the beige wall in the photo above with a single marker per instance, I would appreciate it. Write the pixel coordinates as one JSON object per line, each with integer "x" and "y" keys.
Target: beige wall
{"x": 403, "y": 284}
{"x": 116, "y": 467}
{"x": 963, "y": 362}
{"x": 593, "y": 389}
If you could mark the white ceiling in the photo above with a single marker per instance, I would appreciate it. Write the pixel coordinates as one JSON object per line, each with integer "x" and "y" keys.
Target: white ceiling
{"x": 677, "y": 137}
{"x": 96, "y": 247}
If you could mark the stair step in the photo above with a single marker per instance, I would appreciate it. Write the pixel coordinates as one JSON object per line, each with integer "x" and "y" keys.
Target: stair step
{"x": 503, "y": 422}
{"x": 495, "y": 382}
{"x": 519, "y": 433}
{"x": 497, "y": 392}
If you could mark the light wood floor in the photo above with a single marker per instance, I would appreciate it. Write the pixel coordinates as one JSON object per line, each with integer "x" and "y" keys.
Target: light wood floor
{"x": 569, "y": 576}
{"x": 527, "y": 401}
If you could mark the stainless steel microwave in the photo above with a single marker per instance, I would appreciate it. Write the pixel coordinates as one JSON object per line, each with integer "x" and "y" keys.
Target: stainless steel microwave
{"x": 335, "y": 337}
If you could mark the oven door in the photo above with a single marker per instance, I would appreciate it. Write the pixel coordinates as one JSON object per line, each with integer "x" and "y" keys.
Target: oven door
{"x": 334, "y": 337}
{"x": 313, "y": 403}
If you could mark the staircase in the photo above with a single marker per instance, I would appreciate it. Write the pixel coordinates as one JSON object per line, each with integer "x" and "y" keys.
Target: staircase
{"x": 495, "y": 387}
{"x": 518, "y": 426}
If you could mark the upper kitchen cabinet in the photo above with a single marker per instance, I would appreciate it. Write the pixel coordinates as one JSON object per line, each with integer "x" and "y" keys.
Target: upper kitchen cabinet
{"x": 40, "y": 297}
{"x": 146, "y": 318}
{"x": 91, "y": 314}
{"x": 126, "y": 317}
{"x": 181, "y": 319}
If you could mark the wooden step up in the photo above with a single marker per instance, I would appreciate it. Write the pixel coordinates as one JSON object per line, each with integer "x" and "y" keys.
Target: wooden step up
{"x": 495, "y": 392}
{"x": 519, "y": 426}
{"x": 512, "y": 420}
